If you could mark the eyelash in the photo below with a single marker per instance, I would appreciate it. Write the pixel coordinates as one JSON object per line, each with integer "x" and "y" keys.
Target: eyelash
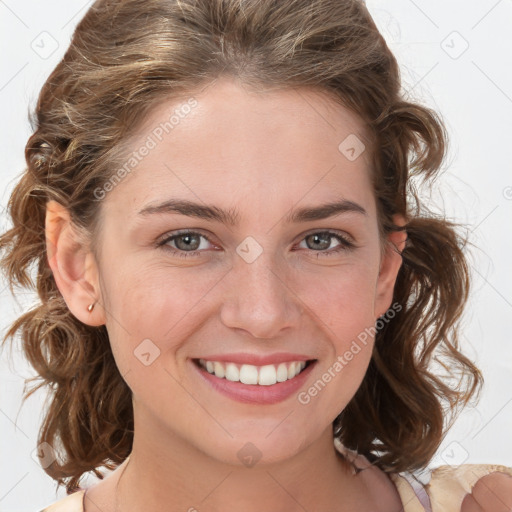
{"x": 345, "y": 244}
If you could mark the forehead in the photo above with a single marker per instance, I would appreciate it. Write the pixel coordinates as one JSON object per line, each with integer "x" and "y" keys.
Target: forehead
{"x": 226, "y": 141}
{"x": 227, "y": 107}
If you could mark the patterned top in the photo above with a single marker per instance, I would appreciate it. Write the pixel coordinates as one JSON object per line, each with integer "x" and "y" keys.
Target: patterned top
{"x": 444, "y": 492}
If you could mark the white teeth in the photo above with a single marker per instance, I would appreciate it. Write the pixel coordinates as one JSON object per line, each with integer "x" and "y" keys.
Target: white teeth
{"x": 249, "y": 374}
{"x": 232, "y": 372}
{"x": 268, "y": 375}
{"x": 219, "y": 370}
{"x": 291, "y": 371}
{"x": 282, "y": 373}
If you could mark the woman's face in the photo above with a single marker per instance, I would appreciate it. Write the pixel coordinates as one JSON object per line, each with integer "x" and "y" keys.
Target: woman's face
{"x": 243, "y": 279}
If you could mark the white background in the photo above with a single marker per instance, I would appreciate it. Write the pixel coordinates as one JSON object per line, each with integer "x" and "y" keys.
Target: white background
{"x": 472, "y": 89}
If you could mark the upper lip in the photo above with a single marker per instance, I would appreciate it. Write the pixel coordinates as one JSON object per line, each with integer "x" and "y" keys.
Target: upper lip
{"x": 255, "y": 359}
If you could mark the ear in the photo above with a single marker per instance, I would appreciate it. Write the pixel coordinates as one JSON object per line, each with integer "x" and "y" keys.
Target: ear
{"x": 74, "y": 267}
{"x": 390, "y": 264}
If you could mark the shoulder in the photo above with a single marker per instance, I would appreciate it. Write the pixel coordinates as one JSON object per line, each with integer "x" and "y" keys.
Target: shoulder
{"x": 71, "y": 503}
{"x": 449, "y": 486}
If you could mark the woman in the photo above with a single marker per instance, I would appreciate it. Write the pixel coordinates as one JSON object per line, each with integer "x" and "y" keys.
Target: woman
{"x": 240, "y": 292}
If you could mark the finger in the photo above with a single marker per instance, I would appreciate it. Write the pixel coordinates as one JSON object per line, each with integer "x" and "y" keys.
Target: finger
{"x": 493, "y": 492}
{"x": 469, "y": 504}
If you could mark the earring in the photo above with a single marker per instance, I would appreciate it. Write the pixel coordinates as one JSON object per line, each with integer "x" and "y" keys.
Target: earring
{"x": 90, "y": 307}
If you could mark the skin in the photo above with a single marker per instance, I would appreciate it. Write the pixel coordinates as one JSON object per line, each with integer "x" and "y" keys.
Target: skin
{"x": 491, "y": 493}
{"x": 262, "y": 154}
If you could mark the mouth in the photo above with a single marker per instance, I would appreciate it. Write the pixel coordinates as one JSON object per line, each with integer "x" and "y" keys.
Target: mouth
{"x": 252, "y": 375}
{"x": 261, "y": 386}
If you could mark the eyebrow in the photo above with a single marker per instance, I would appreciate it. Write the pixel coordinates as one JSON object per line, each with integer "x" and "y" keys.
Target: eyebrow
{"x": 230, "y": 217}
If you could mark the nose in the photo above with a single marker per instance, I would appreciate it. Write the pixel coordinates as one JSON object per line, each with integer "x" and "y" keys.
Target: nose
{"x": 260, "y": 299}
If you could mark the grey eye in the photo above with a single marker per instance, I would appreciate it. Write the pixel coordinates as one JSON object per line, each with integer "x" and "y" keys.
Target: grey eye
{"x": 319, "y": 240}
{"x": 190, "y": 241}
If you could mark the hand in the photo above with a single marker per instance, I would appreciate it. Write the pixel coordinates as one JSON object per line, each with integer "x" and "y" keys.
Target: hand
{"x": 491, "y": 493}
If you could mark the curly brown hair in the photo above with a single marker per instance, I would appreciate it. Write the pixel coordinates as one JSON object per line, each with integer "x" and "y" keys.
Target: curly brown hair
{"x": 124, "y": 58}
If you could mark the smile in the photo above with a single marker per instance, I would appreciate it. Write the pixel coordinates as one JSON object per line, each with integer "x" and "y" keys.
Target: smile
{"x": 267, "y": 375}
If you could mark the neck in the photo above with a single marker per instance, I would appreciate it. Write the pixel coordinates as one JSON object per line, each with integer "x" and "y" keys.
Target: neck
{"x": 164, "y": 472}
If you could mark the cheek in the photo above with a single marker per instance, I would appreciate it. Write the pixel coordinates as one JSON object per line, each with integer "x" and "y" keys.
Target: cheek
{"x": 344, "y": 310}
{"x": 161, "y": 305}
{"x": 342, "y": 298}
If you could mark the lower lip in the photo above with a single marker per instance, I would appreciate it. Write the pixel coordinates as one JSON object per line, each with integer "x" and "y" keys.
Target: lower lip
{"x": 254, "y": 393}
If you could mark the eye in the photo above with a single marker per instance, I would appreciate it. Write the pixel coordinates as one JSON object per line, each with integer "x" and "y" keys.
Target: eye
{"x": 323, "y": 239}
{"x": 187, "y": 243}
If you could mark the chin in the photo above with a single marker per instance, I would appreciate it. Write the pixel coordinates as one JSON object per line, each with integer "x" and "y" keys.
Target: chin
{"x": 255, "y": 447}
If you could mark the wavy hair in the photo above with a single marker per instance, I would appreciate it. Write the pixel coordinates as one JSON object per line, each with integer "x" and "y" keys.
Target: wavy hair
{"x": 125, "y": 57}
